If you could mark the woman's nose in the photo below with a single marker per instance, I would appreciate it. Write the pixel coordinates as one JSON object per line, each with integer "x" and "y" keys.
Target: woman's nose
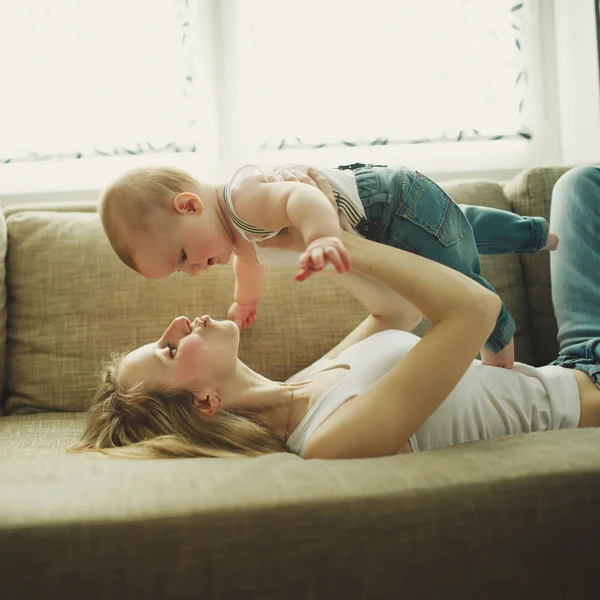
{"x": 180, "y": 326}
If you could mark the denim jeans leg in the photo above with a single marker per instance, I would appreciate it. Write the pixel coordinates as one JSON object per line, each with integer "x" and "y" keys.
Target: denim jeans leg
{"x": 505, "y": 325}
{"x": 575, "y": 268}
{"x": 428, "y": 222}
{"x": 463, "y": 257}
{"x": 501, "y": 231}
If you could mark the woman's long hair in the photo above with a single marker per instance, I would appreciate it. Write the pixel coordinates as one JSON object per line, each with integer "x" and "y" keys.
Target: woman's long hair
{"x": 146, "y": 423}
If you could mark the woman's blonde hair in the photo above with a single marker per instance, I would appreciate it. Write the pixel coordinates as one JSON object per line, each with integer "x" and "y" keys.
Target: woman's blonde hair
{"x": 125, "y": 204}
{"x": 143, "y": 423}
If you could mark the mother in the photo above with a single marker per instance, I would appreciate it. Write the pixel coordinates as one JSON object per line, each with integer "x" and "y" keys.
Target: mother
{"x": 382, "y": 390}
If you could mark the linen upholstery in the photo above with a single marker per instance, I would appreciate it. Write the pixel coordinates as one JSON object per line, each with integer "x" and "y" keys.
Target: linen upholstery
{"x": 529, "y": 194}
{"x": 48, "y": 434}
{"x": 486, "y": 520}
{"x": 70, "y": 206}
{"x": 77, "y": 303}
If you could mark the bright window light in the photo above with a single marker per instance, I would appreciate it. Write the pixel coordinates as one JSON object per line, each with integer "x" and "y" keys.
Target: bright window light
{"x": 316, "y": 73}
{"x": 91, "y": 77}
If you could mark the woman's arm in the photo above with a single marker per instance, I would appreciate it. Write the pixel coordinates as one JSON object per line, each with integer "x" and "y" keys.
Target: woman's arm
{"x": 380, "y": 420}
{"x": 387, "y": 309}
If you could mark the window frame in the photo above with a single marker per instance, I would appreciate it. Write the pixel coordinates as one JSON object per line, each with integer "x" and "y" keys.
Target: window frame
{"x": 444, "y": 159}
{"x": 558, "y": 125}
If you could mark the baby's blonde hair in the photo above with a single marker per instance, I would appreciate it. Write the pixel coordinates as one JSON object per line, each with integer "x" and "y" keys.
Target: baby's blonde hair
{"x": 161, "y": 423}
{"x": 125, "y": 204}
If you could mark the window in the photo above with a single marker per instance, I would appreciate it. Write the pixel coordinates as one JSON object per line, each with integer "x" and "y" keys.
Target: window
{"x": 447, "y": 86}
{"x": 82, "y": 78}
{"x": 452, "y": 86}
{"x": 316, "y": 74}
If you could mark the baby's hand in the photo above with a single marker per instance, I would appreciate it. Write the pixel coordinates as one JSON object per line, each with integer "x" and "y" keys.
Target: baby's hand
{"x": 505, "y": 358}
{"x": 323, "y": 251}
{"x": 243, "y": 315}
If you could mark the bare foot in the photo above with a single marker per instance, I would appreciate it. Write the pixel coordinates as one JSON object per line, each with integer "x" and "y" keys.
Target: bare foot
{"x": 505, "y": 358}
{"x": 551, "y": 242}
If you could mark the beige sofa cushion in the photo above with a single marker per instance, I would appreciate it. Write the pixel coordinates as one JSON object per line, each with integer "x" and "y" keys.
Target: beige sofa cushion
{"x": 503, "y": 272}
{"x": 498, "y": 516}
{"x": 39, "y": 436}
{"x": 529, "y": 194}
{"x": 66, "y": 206}
{"x": 76, "y": 303}
{"x": 72, "y": 302}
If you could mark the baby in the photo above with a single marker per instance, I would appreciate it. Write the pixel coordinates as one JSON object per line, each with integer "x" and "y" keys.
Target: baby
{"x": 161, "y": 219}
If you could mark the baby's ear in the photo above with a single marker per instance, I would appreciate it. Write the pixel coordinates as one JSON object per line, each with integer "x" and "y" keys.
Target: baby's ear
{"x": 186, "y": 203}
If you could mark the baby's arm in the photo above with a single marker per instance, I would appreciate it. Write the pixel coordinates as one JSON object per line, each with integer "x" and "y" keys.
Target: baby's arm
{"x": 275, "y": 205}
{"x": 250, "y": 280}
{"x": 391, "y": 310}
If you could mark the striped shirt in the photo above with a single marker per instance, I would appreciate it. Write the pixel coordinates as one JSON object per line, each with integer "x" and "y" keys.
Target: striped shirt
{"x": 350, "y": 208}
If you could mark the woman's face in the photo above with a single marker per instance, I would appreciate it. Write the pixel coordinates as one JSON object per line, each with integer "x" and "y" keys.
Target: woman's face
{"x": 194, "y": 356}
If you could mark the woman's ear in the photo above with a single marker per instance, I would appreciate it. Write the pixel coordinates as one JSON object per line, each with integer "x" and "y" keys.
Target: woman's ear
{"x": 208, "y": 403}
{"x": 187, "y": 203}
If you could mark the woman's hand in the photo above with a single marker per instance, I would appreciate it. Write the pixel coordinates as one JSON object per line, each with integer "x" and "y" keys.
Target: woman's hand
{"x": 311, "y": 178}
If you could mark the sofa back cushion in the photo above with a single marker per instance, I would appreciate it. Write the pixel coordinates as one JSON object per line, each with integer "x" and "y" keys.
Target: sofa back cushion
{"x": 72, "y": 303}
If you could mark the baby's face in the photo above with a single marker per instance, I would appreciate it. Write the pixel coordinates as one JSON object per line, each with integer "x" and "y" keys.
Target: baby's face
{"x": 190, "y": 243}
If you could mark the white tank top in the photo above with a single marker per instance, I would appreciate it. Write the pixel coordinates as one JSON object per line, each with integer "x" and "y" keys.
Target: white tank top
{"x": 350, "y": 208}
{"x": 487, "y": 402}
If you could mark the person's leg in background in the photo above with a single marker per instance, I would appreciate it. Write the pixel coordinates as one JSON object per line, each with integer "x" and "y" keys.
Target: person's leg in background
{"x": 575, "y": 268}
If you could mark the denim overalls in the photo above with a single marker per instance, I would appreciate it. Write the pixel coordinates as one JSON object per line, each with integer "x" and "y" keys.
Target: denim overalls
{"x": 407, "y": 210}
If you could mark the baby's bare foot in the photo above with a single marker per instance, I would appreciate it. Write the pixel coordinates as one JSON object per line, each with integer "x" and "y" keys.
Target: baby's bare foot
{"x": 551, "y": 242}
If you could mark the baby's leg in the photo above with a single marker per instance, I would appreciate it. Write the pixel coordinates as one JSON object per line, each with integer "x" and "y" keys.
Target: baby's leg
{"x": 575, "y": 269}
{"x": 505, "y": 358}
{"x": 499, "y": 349}
{"x": 501, "y": 231}
{"x": 551, "y": 242}
{"x": 428, "y": 222}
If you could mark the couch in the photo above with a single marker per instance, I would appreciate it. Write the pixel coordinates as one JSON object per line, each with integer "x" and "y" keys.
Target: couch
{"x": 517, "y": 517}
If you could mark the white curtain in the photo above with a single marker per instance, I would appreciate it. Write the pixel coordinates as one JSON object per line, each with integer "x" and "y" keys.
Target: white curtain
{"x": 80, "y": 78}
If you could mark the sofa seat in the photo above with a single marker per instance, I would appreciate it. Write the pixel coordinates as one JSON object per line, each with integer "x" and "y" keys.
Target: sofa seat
{"x": 516, "y": 508}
